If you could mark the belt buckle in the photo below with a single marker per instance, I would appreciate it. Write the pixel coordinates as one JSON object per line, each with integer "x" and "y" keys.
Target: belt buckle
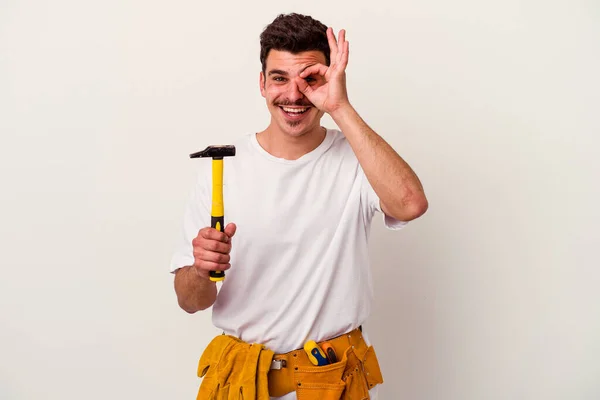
{"x": 278, "y": 364}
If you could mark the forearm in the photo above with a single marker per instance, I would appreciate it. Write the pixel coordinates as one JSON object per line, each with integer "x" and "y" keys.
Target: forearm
{"x": 194, "y": 293}
{"x": 398, "y": 187}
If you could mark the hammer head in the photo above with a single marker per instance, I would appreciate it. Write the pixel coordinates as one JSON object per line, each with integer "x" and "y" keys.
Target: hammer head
{"x": 215, "y": 152}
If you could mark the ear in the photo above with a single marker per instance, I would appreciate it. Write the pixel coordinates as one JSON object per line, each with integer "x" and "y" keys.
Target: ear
{"x": 261, "y": 84}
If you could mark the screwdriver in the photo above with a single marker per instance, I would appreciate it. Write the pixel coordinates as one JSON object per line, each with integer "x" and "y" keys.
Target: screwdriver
{"x": 315, "y": 354}
{"x": 330, "y": 352}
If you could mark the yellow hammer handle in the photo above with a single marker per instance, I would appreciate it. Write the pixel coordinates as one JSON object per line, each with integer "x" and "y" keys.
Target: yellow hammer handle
{"x": 217, "y": 213}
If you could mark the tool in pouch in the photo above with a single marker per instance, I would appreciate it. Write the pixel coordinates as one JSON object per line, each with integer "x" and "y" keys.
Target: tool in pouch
{"x": 329, "y": 352}
{"x": 315, "y": 354}
{"x": 217, "y": 214}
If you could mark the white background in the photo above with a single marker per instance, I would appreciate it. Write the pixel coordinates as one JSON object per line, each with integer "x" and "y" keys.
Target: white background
{"x": 493, "y": 294}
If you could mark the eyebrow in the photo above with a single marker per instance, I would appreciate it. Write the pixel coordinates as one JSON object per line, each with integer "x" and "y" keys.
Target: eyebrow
{"x": 277, "y": 72}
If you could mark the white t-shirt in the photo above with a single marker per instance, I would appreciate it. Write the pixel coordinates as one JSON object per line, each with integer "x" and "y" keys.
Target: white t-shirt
{"x": 299, "y": 259}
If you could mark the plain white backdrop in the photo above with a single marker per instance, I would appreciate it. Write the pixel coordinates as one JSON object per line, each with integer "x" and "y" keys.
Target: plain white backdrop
{"x": 494, "y": 294}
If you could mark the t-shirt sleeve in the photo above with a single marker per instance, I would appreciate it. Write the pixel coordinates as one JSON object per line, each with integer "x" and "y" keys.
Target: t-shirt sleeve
{"x": 373, "y": 204}
{"x": 196, "y": 217}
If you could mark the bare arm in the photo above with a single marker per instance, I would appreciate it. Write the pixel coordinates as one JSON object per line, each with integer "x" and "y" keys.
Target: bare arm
{"x": 195, "y": 291}
{"x": 398, "y": 187}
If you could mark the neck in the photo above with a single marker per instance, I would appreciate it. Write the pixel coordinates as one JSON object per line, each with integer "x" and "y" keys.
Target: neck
{"x": 282, "y": 145}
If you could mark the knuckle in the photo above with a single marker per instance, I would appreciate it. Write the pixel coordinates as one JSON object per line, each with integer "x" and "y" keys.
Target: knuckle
{"x": 213, "y": 245}
{"x": 201, "y": 242}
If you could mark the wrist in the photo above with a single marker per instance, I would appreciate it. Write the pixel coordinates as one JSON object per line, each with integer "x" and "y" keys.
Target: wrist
{"x": 199, "y": 275}
{"x": 347, "y": 119}
{"x": 342, "y": 113}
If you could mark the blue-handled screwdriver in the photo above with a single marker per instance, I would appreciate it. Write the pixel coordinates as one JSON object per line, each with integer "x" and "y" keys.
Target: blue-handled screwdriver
{"x": 315, "y": 354}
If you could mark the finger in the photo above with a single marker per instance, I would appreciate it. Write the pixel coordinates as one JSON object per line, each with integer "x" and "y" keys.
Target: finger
{"x": 341, "y": 44}
{"x": 211, "y": 266}
{"x": 332, "y": 46}
{"x": 205, "y": 255}
{"x": 230, "y": 229}
{"x": 344, "y": 57}
{"x": 213, "y": 234}
{"x": 217, "y": 246}
{"x": 211, "y": 245}
{"x": 318, "y": 69}
{"x": 303, "y": 87}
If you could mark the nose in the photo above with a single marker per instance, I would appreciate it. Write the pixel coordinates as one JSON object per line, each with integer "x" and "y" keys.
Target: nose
{"x": 294, "y": 92}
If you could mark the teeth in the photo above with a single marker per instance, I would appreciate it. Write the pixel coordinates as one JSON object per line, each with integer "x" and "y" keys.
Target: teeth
{"x": 294, "y": 110}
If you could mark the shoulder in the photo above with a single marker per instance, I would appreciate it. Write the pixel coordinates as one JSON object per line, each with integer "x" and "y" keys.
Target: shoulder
{"x": 340, "y": 144}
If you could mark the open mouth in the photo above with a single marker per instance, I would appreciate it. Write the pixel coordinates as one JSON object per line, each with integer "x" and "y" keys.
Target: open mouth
{"x": 294, "y": 112}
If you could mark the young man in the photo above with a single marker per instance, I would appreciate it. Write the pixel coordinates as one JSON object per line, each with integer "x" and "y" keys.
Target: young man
{"x": 296, "y": 259}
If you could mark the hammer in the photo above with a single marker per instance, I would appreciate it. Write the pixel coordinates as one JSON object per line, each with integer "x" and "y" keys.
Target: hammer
{"x": 217, "y": 213}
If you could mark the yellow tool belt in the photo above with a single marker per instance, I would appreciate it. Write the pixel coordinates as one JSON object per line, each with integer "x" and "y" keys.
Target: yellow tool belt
{"x": 232, "y": 370}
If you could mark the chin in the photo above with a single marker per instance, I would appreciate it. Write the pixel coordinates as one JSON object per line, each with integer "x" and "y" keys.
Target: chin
{"x": 296, "y": 130}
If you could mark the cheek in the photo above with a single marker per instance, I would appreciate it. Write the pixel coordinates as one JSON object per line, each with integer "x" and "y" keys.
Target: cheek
{"x": 273, "y": 92}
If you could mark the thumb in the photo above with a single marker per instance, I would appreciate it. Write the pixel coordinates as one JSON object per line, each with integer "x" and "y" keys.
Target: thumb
{"x": 230, "y": 229}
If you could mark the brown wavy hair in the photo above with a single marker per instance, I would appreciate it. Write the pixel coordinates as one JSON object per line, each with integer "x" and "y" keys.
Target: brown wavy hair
{"x": 294, "y": 33}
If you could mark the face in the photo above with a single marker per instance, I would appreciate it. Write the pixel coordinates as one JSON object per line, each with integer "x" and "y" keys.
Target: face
{"x": 291, "y": 112}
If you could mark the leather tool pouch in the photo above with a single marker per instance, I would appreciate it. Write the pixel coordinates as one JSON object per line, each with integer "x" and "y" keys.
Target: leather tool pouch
{"x": 349, "y": 379}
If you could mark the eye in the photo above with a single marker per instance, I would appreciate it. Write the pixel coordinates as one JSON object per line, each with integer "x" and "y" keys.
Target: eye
{"x": 279, "y": 79}
{"x": 310, "y": 79}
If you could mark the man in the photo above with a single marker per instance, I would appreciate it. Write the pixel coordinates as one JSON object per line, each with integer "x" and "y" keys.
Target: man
{"x": 302, "y": 198}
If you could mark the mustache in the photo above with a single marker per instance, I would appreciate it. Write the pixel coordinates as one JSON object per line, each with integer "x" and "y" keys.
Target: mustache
{"x": 298, "y": 102}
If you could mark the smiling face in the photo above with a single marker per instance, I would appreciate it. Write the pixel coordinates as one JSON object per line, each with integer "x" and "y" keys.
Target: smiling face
{"x": 291, "y": 112}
